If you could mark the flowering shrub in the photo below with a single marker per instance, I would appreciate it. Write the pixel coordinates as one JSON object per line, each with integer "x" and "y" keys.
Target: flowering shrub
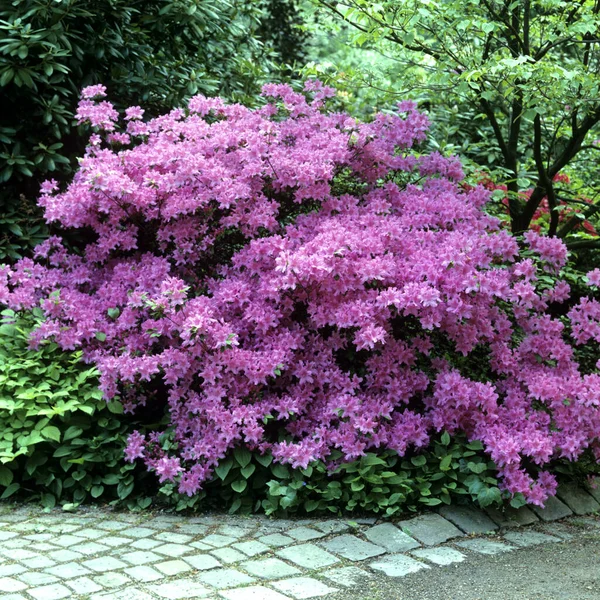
{"x": 301, "y": 283}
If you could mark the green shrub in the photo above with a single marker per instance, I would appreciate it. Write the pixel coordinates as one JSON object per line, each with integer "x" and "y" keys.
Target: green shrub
{"x": 377, "y": 483}
{"x": 60, "y": 442}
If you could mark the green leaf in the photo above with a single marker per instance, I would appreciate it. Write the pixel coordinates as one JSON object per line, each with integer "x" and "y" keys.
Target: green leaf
{"x": 72, "y": 432}
{"x": 446, "y": 462}
{"x": 113, "y": 313}
{"x": 430, "y": 501}
{"x": 489, "y": 496}
{"x": 6, "y": 476}
{"x": 264, "y": 459}
{"x": 35, "y": 460}
{"x": 97, "y": 491}
{"x": 100, "y": 336}
{"x": 239, "y": 486}
{"x": 111, "y": 479}
{"x": 311, "y": 505}
{"x": 242, "y": 456}
{"x": 475, "y": 445}
{"x": 445, "y": 438}
{"x": 418, "y": 461}
{"x": 518, "y": 500}
{"x": 477, "y": 467}
{"x": 48, "y": 500}
{"x": 222, "y": 470}
{"x": 124, "y": 489}
{"x": 52, "y": 433}
{"x": 248, "y": 470}
{"x": 63, "y": 451}
{"x": 280, "y": 471}
{"x": 10, "y": 490}
{"x": 144, "y": 503}
{"x": 115, "y": 407}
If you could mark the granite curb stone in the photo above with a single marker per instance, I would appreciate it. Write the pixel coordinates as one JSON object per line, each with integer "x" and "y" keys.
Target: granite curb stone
{"x": 468, "y": 519}
{"x": 577, "y": 499}
{"x": 553, "y": 510}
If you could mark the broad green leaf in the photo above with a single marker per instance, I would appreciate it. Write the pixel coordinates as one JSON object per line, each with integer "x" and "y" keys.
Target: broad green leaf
{"x": 239, "y": 486}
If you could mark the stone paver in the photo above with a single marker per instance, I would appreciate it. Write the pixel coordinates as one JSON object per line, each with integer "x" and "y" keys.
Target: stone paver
{"x": 468, "y": 519}
{"x": 90, "y": 548}
{"x": 50, "y": 592}
{"x": 529, "y": 538}
{"x": 511, "y": 517}
{"x": 398, "y": 565}
{"x": 35, "y": 578}
{"x": 224, "y": 578}
{"x": 484, "y": 546}
{"x": 440, "y": 556}
{"x": 391, "y": 538}
{"x": 228, "y": 555}
{"x": 304, "y": 534}
{"x": 593, "y": 488}
{"x": 104, "y": 563}
{"x": 254, "y": 592}
{"x": 217, "y": 540}
{"x": 553, "y": 510}
{"x": 430, "y": 529}
{"x": 203, "y": 562}
{"x": 173, "y": 550}
{"x": 112, "y": 580}
{"x": 270, "y": 568}
{"x": 276, "y": 539}
{"x": 251, "y": 548}
{"x": 304, "y": 587}
{"x": 346, "y": 576}
{"x": 308, "y": 556}
{"x": 352, "y": 548}
{"x": 332, "y": 527}
{"x": 217, "y": 557}
{"x": 577, "y": 499}
{"x": 173, "y": 567}
{"x": 68, "y": 570}
{"x": 83, "y": 585}
{"x": 137, "y": 532}
{"x": 144, "y": 573}
{"x": 182, "y": 588}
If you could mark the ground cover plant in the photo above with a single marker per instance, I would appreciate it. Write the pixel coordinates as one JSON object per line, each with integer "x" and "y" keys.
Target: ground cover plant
{"x": 60, "y": 442}
{"x": 309, "y": 287}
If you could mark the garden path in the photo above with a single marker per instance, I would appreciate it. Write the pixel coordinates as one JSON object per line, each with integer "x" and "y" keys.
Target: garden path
{"x": 102, "y": 554}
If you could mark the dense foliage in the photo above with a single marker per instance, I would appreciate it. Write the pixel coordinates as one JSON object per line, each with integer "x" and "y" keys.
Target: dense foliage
{"x": 154, "y": 51}
{"x": 380, "y": 483}
{"x": 300, "y": 283}
{"x": 517, "y": 81}
{"x": 60, "y": 441}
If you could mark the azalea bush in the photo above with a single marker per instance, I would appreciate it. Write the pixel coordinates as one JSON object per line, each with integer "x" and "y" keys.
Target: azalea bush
{"x": 300, "y": 284}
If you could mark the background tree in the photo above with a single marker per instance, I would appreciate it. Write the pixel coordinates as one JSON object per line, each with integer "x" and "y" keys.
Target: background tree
{"x": 528, "y": 68}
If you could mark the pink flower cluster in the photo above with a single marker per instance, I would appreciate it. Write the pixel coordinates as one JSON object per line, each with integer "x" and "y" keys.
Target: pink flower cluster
{"x": 301, "y": 281}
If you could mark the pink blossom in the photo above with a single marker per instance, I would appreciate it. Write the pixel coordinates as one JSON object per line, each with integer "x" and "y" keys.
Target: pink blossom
{"x": 267, "y": 264}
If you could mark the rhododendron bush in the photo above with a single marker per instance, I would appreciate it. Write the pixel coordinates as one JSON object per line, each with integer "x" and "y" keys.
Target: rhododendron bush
{"x": 302, "y": 282}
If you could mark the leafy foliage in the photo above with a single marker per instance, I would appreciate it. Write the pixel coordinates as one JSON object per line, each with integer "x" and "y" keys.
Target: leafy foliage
{"x": 60, "y": 442}
{"x": 520, "y": 76}
{"x": 377, "y": 483}
{"x": 155, "y": 52}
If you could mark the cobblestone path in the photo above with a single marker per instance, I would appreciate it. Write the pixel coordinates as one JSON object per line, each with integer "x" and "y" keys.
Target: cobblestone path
{"x": 99, "y": 554}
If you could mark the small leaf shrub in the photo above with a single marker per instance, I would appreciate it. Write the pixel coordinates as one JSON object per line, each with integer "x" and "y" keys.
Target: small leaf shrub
{"x": 60, "y": 441}
{"x": 297, "y": 283}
